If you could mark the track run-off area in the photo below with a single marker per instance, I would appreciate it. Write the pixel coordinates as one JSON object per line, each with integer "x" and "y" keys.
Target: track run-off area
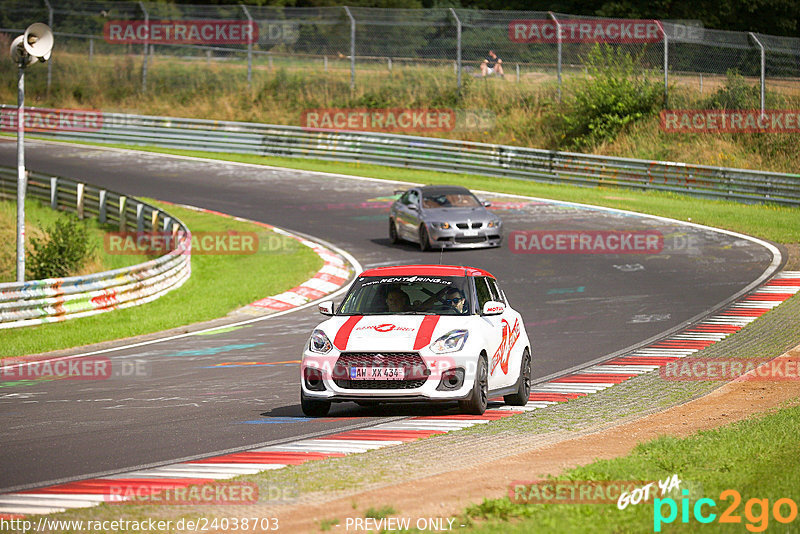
{"x": 239, "y": 389}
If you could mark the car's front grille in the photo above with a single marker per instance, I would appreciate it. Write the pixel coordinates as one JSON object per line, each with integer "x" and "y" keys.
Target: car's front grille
{"x": 415, "y": 370}
{"x": 476, "y": 239}
{"x": 466, "y": 225}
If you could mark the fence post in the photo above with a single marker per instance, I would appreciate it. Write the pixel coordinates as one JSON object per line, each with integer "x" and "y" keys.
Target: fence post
{"x": 146, "y": 41}
{"x": 50, "y": 61}
{"x": 79, "y": 193}
{"x": 517, "y": 72}
{"x": 763, "y": 68}
{"x": 666, "y": 64}
{"x": 91, "y": 49}
{"x": 54, "y": 193}
{"x": 558, "y": 44}
{"x": 326, "y": 63}
{"x": 101, "y": 208}
{"x": 139, "y": 217}
{"x": 249, "y": 45}
{"x": 458, "y": 47}
{"x": 352, "y": 48}
{"x": 123, "y": 207}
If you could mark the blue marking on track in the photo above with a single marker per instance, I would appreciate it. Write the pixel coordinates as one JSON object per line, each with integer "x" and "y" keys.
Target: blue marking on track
{"x": 213, "y": 350}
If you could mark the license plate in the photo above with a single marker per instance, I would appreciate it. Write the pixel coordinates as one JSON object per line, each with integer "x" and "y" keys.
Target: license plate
{"x": 470, "y": 233}
{"x": 377, "y": 373}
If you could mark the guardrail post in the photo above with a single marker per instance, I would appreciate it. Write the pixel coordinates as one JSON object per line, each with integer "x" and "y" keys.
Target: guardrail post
{"x": 123, "y": 217}
{"x": 167, "y": 221}
{"x": 352, "y": 48}
{"x": 54, "y": 193}
{"x": 458, "y": 47}
{"x": 763, "y": 68}
{"x": 154, "y": 220}
{"x": 558, "y": 49}
{"x": 101, "y": 208}
{"x": 140, "y": 217}
{"x": 79, "y": 190}
{"x": 249, "y": 45}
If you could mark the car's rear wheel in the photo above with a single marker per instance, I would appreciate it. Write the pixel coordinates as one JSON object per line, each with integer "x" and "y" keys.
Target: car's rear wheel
{"x": 393, "y": 237}
{"x": 424, "y": 242}
{"x": 476, "y": 403}
{"x": 313, "y": 407}
{"x": 520, "y": 398}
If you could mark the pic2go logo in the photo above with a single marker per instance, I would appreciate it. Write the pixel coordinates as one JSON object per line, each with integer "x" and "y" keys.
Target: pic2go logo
{"x": 756, "y": 511}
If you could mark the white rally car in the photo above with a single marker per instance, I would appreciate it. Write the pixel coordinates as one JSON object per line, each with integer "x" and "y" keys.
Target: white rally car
{"x": 418, "y": 333}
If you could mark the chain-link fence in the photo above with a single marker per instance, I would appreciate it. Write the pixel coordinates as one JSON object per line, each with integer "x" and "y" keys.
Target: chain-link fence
{"x": 370, "y": 43}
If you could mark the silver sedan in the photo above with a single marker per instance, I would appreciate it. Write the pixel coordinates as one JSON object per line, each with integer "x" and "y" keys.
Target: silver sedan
{"x": 443, "y": 216}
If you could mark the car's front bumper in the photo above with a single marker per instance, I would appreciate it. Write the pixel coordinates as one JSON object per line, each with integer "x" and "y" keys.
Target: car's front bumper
{"x": 457, "y": 238}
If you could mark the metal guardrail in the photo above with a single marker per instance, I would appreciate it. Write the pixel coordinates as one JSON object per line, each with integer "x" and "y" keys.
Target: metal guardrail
{"x": 56, "y": 299}
{"x": 435, "y": 154}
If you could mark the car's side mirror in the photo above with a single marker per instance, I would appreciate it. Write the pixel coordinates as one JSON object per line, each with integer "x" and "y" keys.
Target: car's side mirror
{"x": 326, "y": 307}
{"x": 493, "y": 307}
{"x": 413, "y": 207}
{"x": 486, "y": 203}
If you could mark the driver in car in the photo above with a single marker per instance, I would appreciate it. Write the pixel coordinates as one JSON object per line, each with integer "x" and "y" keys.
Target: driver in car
{"x": 455, "y": 299}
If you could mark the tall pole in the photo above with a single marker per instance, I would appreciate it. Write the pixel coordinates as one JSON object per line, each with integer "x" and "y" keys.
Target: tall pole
{"x": 458, "y": 47}
{"x": 146, "y": 51}
{"x": 558, "y": 44}
{"x": 352, "y": 48}
{"x": 249, "y": 45}
{"x": 763, "y": 69}
{"x": 22, "y": 180}
{"x": 49, "y": 63}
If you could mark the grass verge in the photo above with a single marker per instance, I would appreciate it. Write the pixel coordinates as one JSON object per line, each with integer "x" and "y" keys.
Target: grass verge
{"x": 752, "y": 457}
{"x": 218, "y": 285}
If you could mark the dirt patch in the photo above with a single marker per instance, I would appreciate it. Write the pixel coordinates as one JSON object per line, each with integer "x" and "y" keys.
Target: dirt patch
{"x": 449, "y": 494}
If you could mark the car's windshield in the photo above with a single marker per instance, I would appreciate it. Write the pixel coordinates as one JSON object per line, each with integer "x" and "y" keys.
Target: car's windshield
{"x": 449, "y": 200}
{"x": 386, "y": 295}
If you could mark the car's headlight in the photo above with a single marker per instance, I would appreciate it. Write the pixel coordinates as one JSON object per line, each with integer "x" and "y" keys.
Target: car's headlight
{"x": 319, "y": 342}
{"x": 450, "y": 342}
{"x": 441, "y": 225}
{"x": 494, "y": 224}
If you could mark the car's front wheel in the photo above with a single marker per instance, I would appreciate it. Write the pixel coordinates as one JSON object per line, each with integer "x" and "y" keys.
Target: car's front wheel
{"x": 520, "y": 398}
{"x": 476, "y": 403}
{"x": 393, "y": 237}
{"x": 424, "y": 241}
{"x": 313, "y": 407}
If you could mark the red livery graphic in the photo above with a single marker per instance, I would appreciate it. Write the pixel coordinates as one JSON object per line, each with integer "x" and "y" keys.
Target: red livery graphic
{"x": 501, "y": 356}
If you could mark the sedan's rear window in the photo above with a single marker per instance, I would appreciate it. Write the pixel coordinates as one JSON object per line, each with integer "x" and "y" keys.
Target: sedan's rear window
{"x": 386, "y": 295}
{"x": 449, "y": 200}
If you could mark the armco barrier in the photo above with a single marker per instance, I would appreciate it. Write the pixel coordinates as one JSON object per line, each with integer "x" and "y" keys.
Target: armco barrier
{"x": 57, "y": 299}
{"x": 436, "y": 154}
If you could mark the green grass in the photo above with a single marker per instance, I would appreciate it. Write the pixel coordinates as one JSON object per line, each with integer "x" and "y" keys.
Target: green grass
{"x": 380, "y": 513}
{"x": 756, "y": 457}
{"x": 39, "y": 217}
{"x": 780, "y": 224}
{"x": 218, "y": 285}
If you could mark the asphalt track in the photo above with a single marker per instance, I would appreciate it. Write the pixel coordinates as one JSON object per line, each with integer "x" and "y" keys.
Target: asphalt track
{"x": 201, "y": 394}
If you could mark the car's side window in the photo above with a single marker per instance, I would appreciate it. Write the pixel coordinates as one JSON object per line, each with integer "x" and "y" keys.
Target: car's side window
{"x": 482, "y": 290}
{"x": 404, "y": 198}
{"x": 413, "y": 198}
{"x": 494, "y": 290}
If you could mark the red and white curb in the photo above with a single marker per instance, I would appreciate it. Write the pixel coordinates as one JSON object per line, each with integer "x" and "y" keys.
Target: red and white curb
{"x": 116, "y": 488}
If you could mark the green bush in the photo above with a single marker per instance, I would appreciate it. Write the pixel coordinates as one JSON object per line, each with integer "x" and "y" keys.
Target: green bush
{"x": 738, "y": 94}
{"x": 612, "y": 95}
{"x": 62, "y": 252}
